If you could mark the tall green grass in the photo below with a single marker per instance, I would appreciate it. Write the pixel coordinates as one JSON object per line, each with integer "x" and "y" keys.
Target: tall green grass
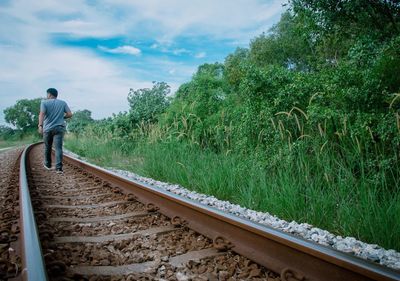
{"x": 308, "y": 182}
{"x": 12, "y": 141}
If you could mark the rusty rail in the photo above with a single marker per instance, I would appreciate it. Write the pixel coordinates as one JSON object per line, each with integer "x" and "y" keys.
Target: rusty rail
{"x": 32, "y": 258}
{"x": 294, "y": 258}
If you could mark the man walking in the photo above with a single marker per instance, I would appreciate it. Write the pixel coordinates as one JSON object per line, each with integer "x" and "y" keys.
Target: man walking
{"x": 52, "y": 125}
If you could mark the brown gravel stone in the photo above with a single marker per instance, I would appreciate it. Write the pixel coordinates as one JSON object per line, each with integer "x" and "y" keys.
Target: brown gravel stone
{"x": 10, "y": 261}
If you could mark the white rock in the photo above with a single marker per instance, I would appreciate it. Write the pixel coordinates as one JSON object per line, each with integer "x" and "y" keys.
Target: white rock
{"x": 181, "y": 277}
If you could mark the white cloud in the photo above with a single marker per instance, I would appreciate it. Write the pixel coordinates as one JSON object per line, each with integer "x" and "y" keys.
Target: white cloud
{"x": 165, "y": 49}
{"x": 200, "y": 55}
{"x": 224, "y": 18}
{"x": 128, "y": 50}
{"x": 167, "y": 19}
{"x": 180, "y": 51}
{"x": 83, "y": 79}
{"x": 31, "y": 62}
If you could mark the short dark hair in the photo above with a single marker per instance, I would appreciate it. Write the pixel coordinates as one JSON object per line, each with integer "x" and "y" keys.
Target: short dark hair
{"x": 52, "y": 92}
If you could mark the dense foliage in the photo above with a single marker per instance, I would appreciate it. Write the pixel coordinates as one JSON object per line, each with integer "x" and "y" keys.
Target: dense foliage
{"x": 305, "y": 123}
{"x": 24, "y": 115}
{"x": 81, "y": 119}
{"x": 147, "y": 104}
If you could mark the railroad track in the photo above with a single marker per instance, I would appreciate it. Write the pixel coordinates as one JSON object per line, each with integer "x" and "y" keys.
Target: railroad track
{"x": 91, "y": 224}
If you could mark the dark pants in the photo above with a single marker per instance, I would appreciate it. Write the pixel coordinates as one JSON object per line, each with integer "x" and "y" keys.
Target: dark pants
{"x": 56, "y": 134}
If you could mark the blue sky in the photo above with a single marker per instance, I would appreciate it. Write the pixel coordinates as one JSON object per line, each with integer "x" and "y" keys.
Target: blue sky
{"x": 94, "y": 51}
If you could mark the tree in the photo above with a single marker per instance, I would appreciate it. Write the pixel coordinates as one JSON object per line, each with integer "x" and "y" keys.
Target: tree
{"x": 6, "y": 132}
{"x": 81, "y": 119}
{"x": 24, "y": 114}
{"x": 353, "y": 17}
{"x": 194, "y": 111}
{"x": 234, "y": 64}
{"x": 146, "y": 104}
{"x": 337, "y": 24}
{"x": 288, "y": 44}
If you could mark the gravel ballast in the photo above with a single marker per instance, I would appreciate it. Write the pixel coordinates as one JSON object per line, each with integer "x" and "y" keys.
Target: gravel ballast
{"x": 350, "y": 245}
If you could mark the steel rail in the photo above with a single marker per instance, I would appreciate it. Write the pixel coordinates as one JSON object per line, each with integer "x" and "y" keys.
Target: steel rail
{"x": 33, "y": 268}
{"x": 292, "y": 257}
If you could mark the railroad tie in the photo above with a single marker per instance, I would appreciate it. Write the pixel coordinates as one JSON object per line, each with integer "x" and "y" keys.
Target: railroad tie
{"x": 98, "y": 219}
{"x": 77, "y": 197}
{"x": 91, "y": 206}
{"x": 73, "y": 190}
{"x": 114, "y": 237}
{"x": 177, "y": 261}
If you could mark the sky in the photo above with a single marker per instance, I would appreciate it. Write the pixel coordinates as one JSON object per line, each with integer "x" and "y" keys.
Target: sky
{"x": 94, "y": 51}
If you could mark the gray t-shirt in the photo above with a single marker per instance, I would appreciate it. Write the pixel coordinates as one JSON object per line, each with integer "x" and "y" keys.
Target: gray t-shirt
{"x": 53, "y": 110}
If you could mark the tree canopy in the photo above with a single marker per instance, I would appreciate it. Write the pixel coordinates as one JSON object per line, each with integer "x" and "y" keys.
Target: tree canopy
{"x": 81, "y": 119}
{"x": 146, "y": 104}
{"x": 24, "y": 115}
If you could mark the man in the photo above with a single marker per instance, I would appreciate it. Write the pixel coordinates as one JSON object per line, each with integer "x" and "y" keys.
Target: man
{"x": 52, "y": 125}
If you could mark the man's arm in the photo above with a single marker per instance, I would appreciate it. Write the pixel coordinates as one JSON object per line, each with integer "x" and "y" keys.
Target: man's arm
{"x": 42, "y": 112}
{"x": 40, "y": 125}
{"x": 67, "y": 115}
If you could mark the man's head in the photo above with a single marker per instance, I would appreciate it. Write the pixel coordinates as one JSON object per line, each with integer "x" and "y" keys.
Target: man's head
{"x": 52, "y": 93}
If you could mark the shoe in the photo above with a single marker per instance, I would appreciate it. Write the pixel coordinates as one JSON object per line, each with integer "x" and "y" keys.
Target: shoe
{"x": 59, "y": 171}
{"x": 47, "y": 167}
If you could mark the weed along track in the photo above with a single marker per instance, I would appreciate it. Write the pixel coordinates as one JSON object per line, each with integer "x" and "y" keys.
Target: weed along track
{"x": 95, "y": 225}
